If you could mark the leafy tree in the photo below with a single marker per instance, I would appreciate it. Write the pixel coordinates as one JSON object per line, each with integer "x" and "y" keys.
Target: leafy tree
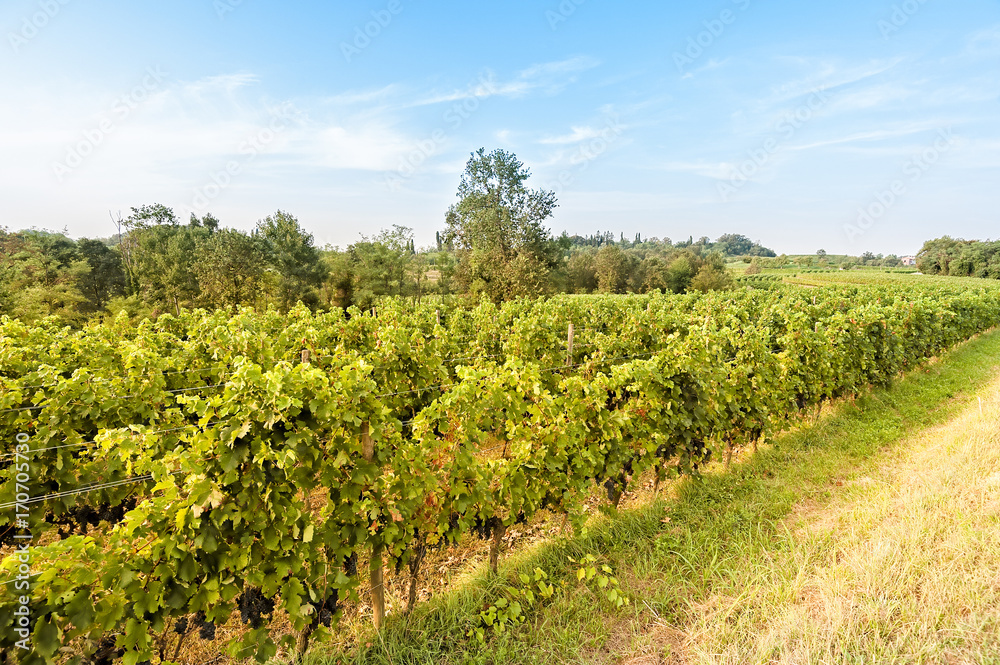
{"x": 41, "y": 271}
{"x": 441, "y": 272}
{"x": 892, "y": 261}
{"x": 160, "y": 256}
{"x": 655, "y": 272}
{"x": 338, "y": 287}
{"x": 417, "y": 270}
{"x": 209, "y": 221}
{"x": 8, "y": 271}
{"x": 141, "y": 218}
{"x": 381, "y": 265}
{"x": 230, "y": 269}
{"x": 581, "y": 272}
{"x": 681, "y": 271}
{"x": 504, "y": 249}
{"x": 712, "y": 275}
{"x": 612, "y": 268}
{"x": 732, "y": 244}
{"x": 106, "y": 279}
{"x": 156, "y": 214}
{"x": 294, "y": 258}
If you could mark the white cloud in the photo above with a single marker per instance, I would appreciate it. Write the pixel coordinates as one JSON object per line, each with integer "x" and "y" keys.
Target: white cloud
{"x": 365, "y": 97}
{"x": 559, "y": 67}
{"x": 709, "y": 66}
{"x": 985, "y": 42}
{"x": 872, "y": 136}
{"x": 547, "y": 77}
{"x": 714, "y": 170}
{"x": 826, "y": 76}
{"x": 577, "y": 135}
{"x": 369, "y": 147}
{"x": 211, "y": 85}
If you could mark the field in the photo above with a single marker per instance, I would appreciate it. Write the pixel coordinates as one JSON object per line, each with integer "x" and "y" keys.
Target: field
{"x": 644, "y": 472}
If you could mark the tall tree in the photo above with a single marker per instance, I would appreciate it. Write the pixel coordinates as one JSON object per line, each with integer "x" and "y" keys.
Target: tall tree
{"x": 381, "y": 265}
{"x": 712, "y": 275}
{"x": 294, "y": 258}
{"x": 142, "y": 218}
{"x": 581, "y": 272}
{"x": 106, "y": 278}
{"x": 338, "y": 287}
{"x": 497, "y": 227}
{"x": 161, "y": 256}
{"x": 41, "y": 271}
{"x": 230, "y": 269}
{"x": 612, "y": 267}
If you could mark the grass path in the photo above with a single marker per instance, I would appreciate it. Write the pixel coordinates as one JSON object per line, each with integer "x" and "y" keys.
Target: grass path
{"x": 902, "y": 566}
{"x": 869, "y": 536}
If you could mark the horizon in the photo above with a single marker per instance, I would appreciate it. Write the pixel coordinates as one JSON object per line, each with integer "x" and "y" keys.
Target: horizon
{"x": 874, "y": 122}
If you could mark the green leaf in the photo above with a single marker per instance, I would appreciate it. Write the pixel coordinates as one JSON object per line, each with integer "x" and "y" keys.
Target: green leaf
{"x": 46, "y": 637}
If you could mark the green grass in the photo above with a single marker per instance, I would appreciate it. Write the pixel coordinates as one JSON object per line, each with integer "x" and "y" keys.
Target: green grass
{"x": 716, "y": 555}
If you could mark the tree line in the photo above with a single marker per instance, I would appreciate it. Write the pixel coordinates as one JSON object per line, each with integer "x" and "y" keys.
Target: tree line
{"x": 960, "y": 258}
{"x": 157, "y": 264}
{"x": 495, "y": 244}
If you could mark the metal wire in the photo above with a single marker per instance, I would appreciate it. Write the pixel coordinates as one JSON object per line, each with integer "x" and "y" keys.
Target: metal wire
{"x": 94, "y": 443}
{"x": 171, "y": 392}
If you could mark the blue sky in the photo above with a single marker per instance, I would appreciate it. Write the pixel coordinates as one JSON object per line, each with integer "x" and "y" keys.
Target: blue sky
{"x": 847, "y": 126}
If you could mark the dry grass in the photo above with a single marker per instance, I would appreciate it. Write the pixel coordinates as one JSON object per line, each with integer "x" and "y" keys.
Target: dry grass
{"x": 902, "y": 567}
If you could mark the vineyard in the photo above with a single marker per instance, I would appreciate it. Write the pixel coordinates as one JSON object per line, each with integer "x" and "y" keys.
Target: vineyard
{"x": 173, "y": 474}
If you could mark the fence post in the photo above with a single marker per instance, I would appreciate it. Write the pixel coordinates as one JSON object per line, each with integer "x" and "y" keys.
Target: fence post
{"x": 569, "y": 346}
{"x": 306, "y": 359}
{"x": 377, "y": 583}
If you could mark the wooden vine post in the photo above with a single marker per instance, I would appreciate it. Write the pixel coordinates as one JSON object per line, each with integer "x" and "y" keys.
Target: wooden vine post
{"x": 569, "y": 346}
{"x": 416, "y": 560}
{"x": 378, "y": 588}
{"x": 306, "y": 359}
{"x": 499, "y": 530}
{"x": 302, "y": 639}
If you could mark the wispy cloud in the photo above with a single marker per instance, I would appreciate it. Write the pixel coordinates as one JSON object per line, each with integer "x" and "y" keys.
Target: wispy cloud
{"x": 984, "y": 42}
{"x": 228, "y": 83}
{"x": 826, "y": 76}
{"x": 577, "y": 135}
{"x": 871, "y": 136}
{"x": 713, "y": 170}
{"x": 708, "y": 66}
{"x": 568, "y": 66}
{"x": 363, "y": 97}
{"x": 548, "y": 77}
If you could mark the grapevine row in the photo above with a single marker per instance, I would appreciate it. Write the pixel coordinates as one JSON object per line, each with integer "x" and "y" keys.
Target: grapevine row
{"x": 304, "y": 440}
